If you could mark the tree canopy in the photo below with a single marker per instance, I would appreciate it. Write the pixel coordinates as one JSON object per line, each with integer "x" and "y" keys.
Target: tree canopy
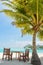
{"x": 27, "y": 15}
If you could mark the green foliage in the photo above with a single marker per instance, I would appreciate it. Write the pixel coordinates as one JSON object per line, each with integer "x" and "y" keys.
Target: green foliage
{"x": 41, "y": 47}
{"x": 37, "y": 47}
{"x": 28, "y": 15}
{"x": 40, "y": 34}
{"x": 28, "y": 46}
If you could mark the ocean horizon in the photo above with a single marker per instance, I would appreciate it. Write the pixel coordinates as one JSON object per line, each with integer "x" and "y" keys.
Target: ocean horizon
{"x": 22, "y": 50}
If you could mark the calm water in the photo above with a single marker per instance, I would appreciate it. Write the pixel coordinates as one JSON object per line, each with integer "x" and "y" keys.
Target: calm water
{"x": 22, "y": 50}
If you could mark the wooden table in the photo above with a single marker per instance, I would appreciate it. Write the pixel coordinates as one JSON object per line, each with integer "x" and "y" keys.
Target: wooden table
{"x": 17, "y": 52}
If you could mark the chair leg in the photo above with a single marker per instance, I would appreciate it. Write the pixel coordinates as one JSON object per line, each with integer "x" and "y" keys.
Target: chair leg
{"x": 11, "y": 57}
{"x": 24, "y": 59}
{"x": 19, "y": 58}
{"x": 28, "y": 59}
{"x": 3, "y": 57}
{"x": 8, "y": 57}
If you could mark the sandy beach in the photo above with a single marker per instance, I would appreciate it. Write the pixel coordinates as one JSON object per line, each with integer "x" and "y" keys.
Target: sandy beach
{"x": 16, "y": 62}
{"x": 30, "y": 54}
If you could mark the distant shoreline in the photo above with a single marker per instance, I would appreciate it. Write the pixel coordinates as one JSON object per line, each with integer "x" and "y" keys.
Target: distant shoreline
{"x": 22, "y": 50}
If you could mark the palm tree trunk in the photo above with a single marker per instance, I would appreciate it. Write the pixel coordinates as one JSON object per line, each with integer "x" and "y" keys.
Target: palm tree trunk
{"x": 35, "y": 59}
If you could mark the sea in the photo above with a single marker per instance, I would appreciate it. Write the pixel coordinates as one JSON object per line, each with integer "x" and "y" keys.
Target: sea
{"x": 22, "y": 50}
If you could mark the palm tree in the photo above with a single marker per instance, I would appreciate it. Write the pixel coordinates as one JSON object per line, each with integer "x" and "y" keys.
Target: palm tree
{"x": 27, "y": 15}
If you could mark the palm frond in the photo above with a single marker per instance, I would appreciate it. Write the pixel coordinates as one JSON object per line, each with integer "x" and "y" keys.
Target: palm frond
{"x": 9, "y": 5}
{"x": 14, "y": 14}
{"x": 40, "y": 34}
{"x": 27, "y": 31}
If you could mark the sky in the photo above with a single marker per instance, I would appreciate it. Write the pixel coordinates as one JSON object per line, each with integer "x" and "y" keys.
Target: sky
{"x": 10, "y": 36}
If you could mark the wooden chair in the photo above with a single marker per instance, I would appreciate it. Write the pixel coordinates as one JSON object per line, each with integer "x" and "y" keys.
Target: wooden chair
{"x": 24, "y": 56}
{"x": 7, "y": 54}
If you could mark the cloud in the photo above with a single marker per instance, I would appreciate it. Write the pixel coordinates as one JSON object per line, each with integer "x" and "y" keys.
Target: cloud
{"x": 40, "y": 42}
{"x": 14, "y": 44}
{"x": 18, "y": 44}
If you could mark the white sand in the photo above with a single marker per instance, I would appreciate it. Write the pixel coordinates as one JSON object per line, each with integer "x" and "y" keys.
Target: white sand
{"x": 16, "y": 62}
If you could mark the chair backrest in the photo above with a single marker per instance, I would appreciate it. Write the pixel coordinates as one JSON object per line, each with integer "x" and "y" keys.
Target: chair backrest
{"x": 7, "y": 51}
{"x": 27, "y": 52}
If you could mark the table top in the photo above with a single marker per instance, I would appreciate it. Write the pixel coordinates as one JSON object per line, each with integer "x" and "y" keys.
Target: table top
{"x": 17, "y": 52}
